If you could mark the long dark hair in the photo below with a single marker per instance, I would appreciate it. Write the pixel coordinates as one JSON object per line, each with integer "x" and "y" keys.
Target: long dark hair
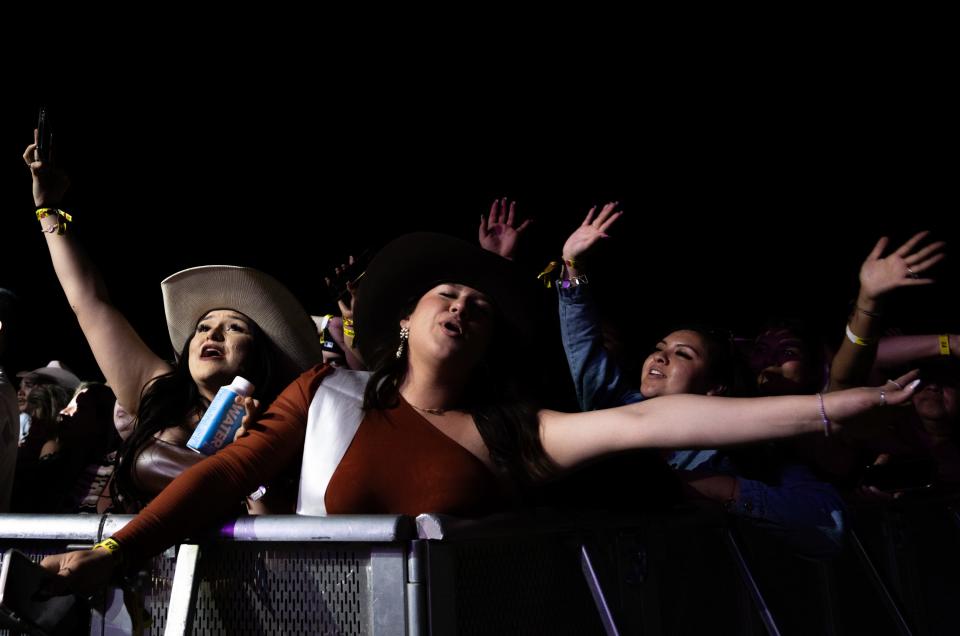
{"x": 172, "y": 399}
{"x": 723, "y": 366}
{"x": 496, "y": 397}
{"x": 43, "y": 406}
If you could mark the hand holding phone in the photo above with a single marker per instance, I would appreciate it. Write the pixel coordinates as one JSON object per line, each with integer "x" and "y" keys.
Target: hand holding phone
{"x": 24, "y": 607}
{"x": 346, "y": 278}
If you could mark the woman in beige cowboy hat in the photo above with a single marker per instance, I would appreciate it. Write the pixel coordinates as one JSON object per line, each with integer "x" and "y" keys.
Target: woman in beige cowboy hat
{"x": 223, "y": 321}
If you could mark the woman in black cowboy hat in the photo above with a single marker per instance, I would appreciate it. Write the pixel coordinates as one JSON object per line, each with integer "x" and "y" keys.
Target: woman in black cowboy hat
{"x": 436, "y": 427}
{"x": 223, "y": 321}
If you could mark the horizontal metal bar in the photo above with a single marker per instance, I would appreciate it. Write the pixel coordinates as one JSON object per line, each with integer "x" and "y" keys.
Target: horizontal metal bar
{"x": 338, "y": 528}
{"x": 438, "y": 527}
{"x": 50, "y": 527}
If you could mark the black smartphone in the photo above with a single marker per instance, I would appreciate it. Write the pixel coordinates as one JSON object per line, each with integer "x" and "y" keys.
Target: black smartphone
{"x": 352, "y": 274}
{"x": 901, "y": 475}
{"x": 23, "y": 608}
{"x": 44, "y": 135}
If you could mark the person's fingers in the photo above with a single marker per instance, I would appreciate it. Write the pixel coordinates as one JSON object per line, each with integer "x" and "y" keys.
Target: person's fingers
{"x": 923, "y": 253}
{"x": 878, "y": 248}
{"x": 589, "y": 219}
{"x": 907, "y": 247}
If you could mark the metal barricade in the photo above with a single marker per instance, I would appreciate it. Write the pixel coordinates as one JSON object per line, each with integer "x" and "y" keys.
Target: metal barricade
{"x": 262, "y": 575}
{"x": 544, "y": 572}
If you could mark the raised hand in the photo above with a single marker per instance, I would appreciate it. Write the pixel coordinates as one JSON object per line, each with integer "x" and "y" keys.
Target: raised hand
{"x": 591, "y": 231}
{"x": 902, "y": 268}
{"x": 497, "y": 233}
{"x": 49, "y": 183}
{"x": 342, "y": 289}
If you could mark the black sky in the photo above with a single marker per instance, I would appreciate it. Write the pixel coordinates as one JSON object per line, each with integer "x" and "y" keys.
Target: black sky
{"x": 742, "y": 200}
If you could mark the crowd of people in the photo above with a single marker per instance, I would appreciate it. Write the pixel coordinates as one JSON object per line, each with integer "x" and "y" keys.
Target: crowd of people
{"x": 425, "y": 394}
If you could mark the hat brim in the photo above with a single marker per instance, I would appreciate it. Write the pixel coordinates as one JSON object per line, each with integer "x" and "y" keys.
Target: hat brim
{"x": 412, "y": 264}
{"x": 192, "y": 293}
{"x": 62, "y": 377}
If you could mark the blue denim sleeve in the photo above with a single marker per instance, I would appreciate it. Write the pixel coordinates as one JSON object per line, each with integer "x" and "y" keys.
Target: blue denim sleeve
{"x": 808, "y": 514}
{"x": 597, "y": 378}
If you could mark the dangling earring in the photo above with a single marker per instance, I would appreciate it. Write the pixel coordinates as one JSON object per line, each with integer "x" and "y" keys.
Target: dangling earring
{"x": 404, "y": 334}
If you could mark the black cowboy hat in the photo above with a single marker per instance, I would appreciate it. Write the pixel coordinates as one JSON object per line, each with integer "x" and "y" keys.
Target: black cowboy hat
{"x": 410, "y": 265}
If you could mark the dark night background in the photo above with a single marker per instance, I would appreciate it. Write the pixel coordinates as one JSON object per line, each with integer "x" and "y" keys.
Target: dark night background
{"x": 744, "y": 197}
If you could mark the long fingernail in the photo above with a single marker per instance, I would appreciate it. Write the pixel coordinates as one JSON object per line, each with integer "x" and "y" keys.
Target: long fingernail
{"x": 914, "y": 384}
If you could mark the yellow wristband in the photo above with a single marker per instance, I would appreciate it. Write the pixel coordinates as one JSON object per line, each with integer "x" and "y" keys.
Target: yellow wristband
{"x": 857, "y": 340}
{"x": 42, "y": 212}
{"x": 62, "y": 219}
{"x": 324, "y": 320}
{"x": 944, "y": 345}
{"x": 110, "y": 546}
{"x": 543, "y": 276}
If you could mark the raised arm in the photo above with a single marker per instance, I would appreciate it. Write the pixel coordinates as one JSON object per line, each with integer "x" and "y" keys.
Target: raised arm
{"x": 879, "y": 275}
{"x": 597, "y": 378}
{"x": 689, "y": 421}
{"x": 125, "y": 360}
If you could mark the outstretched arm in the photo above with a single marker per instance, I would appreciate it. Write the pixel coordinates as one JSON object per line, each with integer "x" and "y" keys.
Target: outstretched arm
{"x": 896, "y": 351}
{"x": 203, "y": 493}
{"x": 689, "y": 421}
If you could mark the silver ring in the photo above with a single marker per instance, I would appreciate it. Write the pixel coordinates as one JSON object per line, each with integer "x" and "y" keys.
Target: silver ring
{"x": 912, "y": 273}
{"x": 896, "y": 384}
{"x": 883, "y": 397}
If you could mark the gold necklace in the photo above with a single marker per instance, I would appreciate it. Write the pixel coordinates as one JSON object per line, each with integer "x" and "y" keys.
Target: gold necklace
{"x": 431, "y": 411}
